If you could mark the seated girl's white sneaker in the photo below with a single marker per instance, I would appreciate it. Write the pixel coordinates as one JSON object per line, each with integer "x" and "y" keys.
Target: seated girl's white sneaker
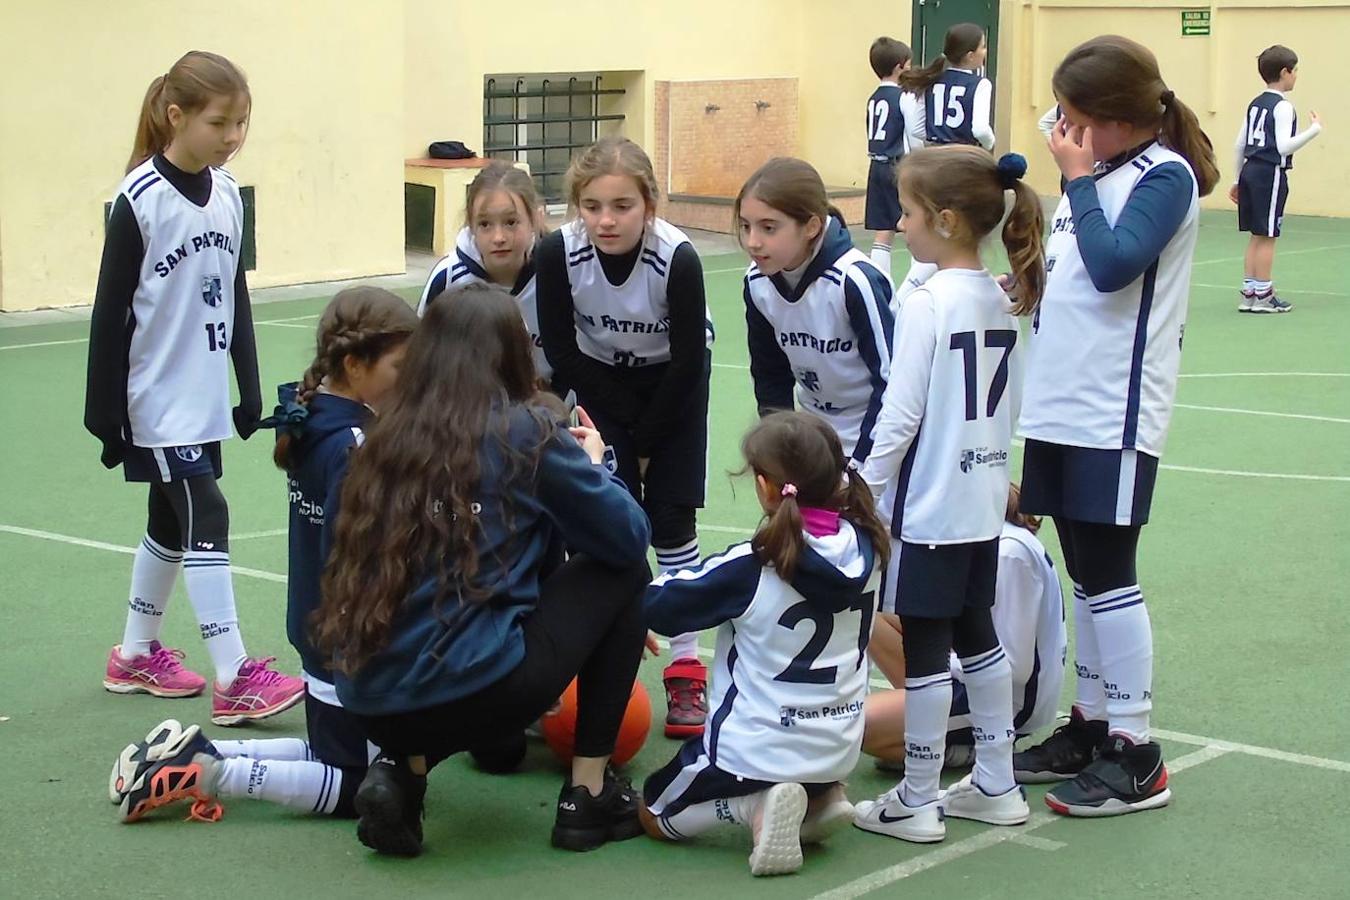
{"x": 889, "y": 815}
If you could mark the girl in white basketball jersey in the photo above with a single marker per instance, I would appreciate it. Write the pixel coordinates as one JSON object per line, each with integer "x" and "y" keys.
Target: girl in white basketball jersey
{"x": 625, "y": 324}
{"x": 817, "y": 311}
{"x": 1105, "y": 351}
{"x": 496, "y": 246}
{"x": 940, "y": 465}
{"x": 794, "y": 608}
{"x": 171, "y": 314}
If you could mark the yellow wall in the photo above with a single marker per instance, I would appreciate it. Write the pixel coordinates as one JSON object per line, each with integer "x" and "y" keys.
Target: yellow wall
{"x": 1216, "y": 76}
{"x": 323, "y": 152}
{"x": 452, "y": 46}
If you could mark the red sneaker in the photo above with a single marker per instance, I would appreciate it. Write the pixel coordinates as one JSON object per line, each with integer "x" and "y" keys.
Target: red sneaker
{"x": 686, "y": 683}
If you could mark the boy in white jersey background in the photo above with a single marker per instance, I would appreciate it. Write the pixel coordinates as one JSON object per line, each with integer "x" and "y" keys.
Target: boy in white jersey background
{"x": 171, "y": 318}
{"x": 794, "y": 608}
{"x": 1101, "y": 379}
{"x": 940, "y": 465}
{"x": 1265, "y": 147}
{"x": 890, "y": 112}
{"x": 625, "y": 324}
{"x": 817, "y": 312}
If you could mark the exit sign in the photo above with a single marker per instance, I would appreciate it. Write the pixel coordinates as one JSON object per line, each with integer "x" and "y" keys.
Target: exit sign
{"x": 1194, "y": 22}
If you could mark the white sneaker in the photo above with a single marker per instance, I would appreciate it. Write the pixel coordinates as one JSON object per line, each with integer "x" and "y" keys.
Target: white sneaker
{"x": 778, "y": 849}
{"x": 827, "y": 820}
{"x": 1270, "y": 304}
{"x": 967, "y": 800}
{"x": 889, "y": 815}
{"x": 1247, "y": 302}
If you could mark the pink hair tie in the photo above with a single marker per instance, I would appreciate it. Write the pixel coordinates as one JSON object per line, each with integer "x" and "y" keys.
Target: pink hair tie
{"x": 789, "y": 489}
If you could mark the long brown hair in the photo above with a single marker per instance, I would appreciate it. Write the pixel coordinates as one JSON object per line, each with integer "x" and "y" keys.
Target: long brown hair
{"x": 190, "y": 84}
{"x": 1115, "y": 79}
{"x": 363, "y": 322}
{"x": 968, "y": 181}
{"x": 800, "y": 449}
{"x": 1014, "y": 515}
{"x": 500, "y": 175}
{"x": 791, "y": 186}
{"x": 407, "y": 509}
{"x": 962, "y": 38}
{"x": 612, "y": 156}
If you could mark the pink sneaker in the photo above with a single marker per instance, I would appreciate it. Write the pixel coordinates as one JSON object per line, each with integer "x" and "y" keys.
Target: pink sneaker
{"x": 256, "y": 693}
{"x": 159, "y": 672}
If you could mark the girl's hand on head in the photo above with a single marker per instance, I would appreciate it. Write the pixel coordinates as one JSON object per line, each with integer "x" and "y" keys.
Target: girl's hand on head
{"x": 1071, "y": 147}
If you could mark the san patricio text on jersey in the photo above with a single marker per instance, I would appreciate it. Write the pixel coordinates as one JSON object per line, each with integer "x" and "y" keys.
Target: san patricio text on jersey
{"x": 207, "y": 240}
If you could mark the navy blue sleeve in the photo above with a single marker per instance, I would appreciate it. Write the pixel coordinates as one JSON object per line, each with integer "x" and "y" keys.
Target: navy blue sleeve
{"x": 589, "y": 505}
{"x": 688, "y": 310}
{"x": 335, "y": 470}
{"x": 869, "y": 312}
{"x": 770, "y": 370}
{"x": 436, "y": 286}
{"x": 244, "y": 355}
{"x": 1114, "y": 257}
{"x": 718, "y": 591}
{"x": 105, "y": 396}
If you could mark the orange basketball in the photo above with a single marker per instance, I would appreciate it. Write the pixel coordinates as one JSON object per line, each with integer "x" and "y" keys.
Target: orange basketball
{"x": 560, "y": 726}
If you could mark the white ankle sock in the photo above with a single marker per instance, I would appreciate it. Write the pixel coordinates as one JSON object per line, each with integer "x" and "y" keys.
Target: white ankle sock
{"x": 153, "y": 571}
{"x": 1089, "y": 695}
{"x": 211, "y": 590}
{"x": 988, "y": 680}
{"x": 1262, "y": 287}
{"x": 928, "y": 703}
{"x": 1125, "y": 639}
{"x": 881, "y": 257}
{"x": 293, "y": 749}
{"x": 306, "y": 786}
{"x": 668, "y": 559}
{"x": 703, "y": 817}
{"x": 684, "y": 646}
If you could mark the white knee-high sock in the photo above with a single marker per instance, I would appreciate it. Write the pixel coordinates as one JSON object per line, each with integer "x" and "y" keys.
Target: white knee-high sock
{"x": 1125, "y": 640}
{"x": 881, "y": 257}
{"x": 153, "y": 571}
{"x": 703, "y": 817}
{"x": 293, "y": 749}
{"x": 1089, "y": 694}
{"x": 928, "y": 703}
{"x": 306, "y": 786}
{"x": 668, "y": 559}
{"x": 988, "y": 680}
{"x": 206, "y": 574}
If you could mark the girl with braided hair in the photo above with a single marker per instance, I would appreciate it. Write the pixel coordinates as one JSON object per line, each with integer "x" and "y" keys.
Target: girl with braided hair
{"x": 319, "y": 421}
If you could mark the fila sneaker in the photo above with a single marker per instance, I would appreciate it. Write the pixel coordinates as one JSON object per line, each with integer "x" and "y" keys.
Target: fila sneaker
{"x": 1269, "y": 303}
{"x": 389, "y": 802}
{"x": 586, "y": 821}
{"x": 1125, "y": 778}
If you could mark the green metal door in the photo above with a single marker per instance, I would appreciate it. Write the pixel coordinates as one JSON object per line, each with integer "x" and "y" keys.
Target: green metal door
{"x": 932, "y": 18}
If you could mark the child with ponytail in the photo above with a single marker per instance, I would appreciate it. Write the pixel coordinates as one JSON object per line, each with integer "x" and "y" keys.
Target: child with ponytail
{"x": 319, "y": 422}
{"x": 940, "y": 465}
{"x": 1101, "y": 379}
{"x": 794, "y": 608}
{"x": 957, "y": 100}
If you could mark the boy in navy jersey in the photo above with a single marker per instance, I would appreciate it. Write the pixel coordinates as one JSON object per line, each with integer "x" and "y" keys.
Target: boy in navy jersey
{"x": 890, "y": 112}
{"x": 1266, "y": 143}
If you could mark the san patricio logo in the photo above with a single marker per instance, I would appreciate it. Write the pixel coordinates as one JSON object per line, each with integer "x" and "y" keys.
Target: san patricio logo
{"x": 211, "y": 290}
{"x": 982, "y": 456}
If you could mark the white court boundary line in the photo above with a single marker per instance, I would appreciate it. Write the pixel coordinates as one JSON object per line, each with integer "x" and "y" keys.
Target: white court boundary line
{"x": 289, "y": 322}
{"x": 1261, "y": 412}
{"x": 1283, "y": 253}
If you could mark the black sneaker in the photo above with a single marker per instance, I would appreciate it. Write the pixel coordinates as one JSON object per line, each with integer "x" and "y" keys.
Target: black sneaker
{"x": 1125, "y": 778}
{"x": 389, "y": 802}
{"x": 585, "y": 822}
{"x": 1063, "y": 754}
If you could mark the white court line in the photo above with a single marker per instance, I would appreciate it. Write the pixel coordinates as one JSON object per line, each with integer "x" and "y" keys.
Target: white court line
{"x": 250, "y": 535}
{"x": 1261, "y": 412}
{"x": 1233, "y": 287}
{"x": 284, "y": 323}
{"x": 985, "y": 839}
{"x": 1238, "y": 473}
{"x": 727, "y": 529}
{"x": 1264, "y": 375}
{"x": 1283, "y": 254}
{"x": 280, "y": 324}
{"x": 129, "y": 551}
{"x": 45, "y": 344}
{"x": 1212, "y": 746}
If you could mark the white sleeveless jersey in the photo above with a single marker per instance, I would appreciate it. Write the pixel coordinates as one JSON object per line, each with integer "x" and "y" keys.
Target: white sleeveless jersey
{"x": 628, "y": 324}
{"x": 940, "y": 460}
{"x": 464, "y": 265}
{"x": 1102, "y": 369}
{"x": 818, "y": 335}
{"x": 182, "y": 313}
{"x": 789, "y": 676}
{"x": 1029, "y": 619}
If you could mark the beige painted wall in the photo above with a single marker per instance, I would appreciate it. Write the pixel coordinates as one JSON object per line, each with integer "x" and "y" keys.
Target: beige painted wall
{"x": 1215, "y": 75}
{"x": 323, "y": 151}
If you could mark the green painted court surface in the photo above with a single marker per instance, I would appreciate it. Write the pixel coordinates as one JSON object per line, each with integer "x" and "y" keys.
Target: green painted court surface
{"x": 1245, "y": 567}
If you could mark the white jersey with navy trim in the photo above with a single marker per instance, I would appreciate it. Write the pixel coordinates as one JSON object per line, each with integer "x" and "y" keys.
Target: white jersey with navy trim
{"x": 627, "y": 324}
{"x": 940, "y": 459}
{"x": 464, "y": 265}
{"x": 1029, "y": 619}
{"x": 182, "y": 312}
{"x": 1102, "y": 367}
{"x": 789, "y": 676}
{"x": 837, "y": 338}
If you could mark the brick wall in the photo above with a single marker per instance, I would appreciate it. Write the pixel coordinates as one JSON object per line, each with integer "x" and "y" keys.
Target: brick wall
{"x": 711, "y": 153}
